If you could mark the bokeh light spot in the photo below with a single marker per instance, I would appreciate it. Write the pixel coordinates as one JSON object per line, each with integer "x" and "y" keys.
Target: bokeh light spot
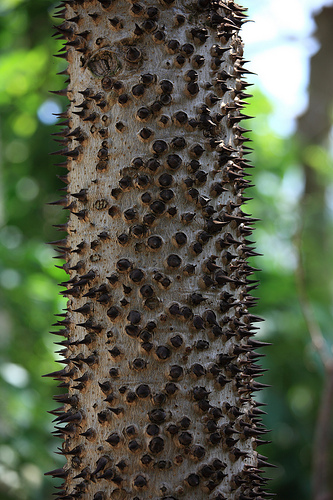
{"x": 32, "y": 474}
{"x": 27, "y": 189}
{"x": 18, "y": 86}
{"x": 14, "y": 374}
{"x": 17, "y": 151}
{"x": 47, "y": 111}
{"x": 300, "y": 399}
{"x": 9, "y": 278}
{"x": 24, "y": 125}
{"x": 9, "y": 477}
{"x": 8, "y": 455}
{"x": 10, "y": 237}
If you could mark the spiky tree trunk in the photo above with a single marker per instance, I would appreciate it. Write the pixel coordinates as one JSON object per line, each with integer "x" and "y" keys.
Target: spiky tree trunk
{"x": 159, "y": 350}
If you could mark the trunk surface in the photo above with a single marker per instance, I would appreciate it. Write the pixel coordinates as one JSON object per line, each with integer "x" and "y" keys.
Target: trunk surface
{"x": 159, "y": 350}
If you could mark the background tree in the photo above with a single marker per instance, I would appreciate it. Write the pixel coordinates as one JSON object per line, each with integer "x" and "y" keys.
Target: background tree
{"x": 313, "y": 131}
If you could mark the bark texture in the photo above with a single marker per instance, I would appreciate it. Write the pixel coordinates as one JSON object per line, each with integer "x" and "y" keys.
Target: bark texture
{"x": 159, "y": 347}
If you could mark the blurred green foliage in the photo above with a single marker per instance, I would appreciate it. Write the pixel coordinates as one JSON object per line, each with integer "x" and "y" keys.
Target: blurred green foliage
{"x": 29, "y": 279}
{"x": 295, "y": 370}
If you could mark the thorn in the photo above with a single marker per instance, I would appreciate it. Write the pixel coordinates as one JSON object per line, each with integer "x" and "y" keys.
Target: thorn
{"x": 57, "y": 473}
{"x": 59, "y": 92}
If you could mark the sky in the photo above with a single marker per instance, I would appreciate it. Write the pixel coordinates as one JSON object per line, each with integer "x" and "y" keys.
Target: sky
{"x": 279, "y": 45}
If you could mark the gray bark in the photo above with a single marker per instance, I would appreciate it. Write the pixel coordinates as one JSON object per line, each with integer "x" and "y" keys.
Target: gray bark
{"x": 159, "y": 347}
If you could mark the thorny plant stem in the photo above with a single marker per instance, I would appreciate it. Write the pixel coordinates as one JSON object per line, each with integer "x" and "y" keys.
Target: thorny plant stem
{"x": 159, "y": 350}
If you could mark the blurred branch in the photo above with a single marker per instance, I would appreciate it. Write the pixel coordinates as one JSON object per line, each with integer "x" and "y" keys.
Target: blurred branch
{"x": 322, "y": 442}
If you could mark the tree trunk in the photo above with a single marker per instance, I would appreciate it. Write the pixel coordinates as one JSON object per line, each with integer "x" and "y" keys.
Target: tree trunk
{"x": 313, "y": 130}
{"x": 159, "y": 351}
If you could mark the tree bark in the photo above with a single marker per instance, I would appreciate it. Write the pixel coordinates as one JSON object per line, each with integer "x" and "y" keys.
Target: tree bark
{"x": 159, "y": 349}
